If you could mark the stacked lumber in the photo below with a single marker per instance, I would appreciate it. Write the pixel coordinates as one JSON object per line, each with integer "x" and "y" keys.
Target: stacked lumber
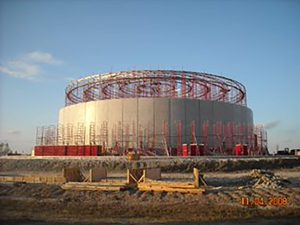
{"x": 266, "y": 179}
{"x": 95, "y": 186}
{"x": 34, "y": 179}
{"x": 170, "y": 187}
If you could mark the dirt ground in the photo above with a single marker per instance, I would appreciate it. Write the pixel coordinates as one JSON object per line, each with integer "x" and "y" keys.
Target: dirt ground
{"x": 168, "y": 164}
{"x": 221, "y": 202}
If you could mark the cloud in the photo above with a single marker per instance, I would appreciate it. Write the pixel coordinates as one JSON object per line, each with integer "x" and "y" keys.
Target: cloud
{"x": 43, "y": 57}
{"x": 271, "y": 125}
{"x": 14, "y": 132}
{"x": 21, "y": 69}
{"x": 29, "y": 66}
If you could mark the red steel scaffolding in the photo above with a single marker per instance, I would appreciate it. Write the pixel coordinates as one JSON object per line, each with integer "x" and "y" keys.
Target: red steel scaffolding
{"x": 216, "y": 138}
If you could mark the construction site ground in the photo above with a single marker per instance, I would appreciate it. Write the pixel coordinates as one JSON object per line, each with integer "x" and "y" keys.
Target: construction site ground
{"x": 44, "y": 204}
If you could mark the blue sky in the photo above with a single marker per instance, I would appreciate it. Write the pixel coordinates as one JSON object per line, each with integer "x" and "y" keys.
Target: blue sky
{"x": 45, "y": 44}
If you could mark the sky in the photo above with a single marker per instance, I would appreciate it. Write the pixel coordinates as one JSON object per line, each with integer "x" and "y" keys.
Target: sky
{"x": 46, "y": 44}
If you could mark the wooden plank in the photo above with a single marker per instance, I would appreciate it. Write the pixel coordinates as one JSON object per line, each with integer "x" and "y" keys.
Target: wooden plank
{"x": 196, "y": 178}
{"x": 108, "y": 183}
{"x": 100, "y": 186}
{"x": 91, "y": 188}
{"x": 169, "y": 187}
{"x": 162, "y": 188}
{"x": 168, "y": 184}
{"x": 34, "y": 179}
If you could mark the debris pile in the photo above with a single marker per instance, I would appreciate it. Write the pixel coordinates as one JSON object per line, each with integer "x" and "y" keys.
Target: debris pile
{"x": 266, "y": 179}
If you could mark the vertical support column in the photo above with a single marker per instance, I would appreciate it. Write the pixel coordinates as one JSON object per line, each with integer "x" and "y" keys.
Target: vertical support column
{"x": 147, "y": 139}
{"x": 183, "y": 86}
{"x": 241, "y": 135}
{"x": 228, "y": 138}
{"x": 140, "y": 139}
{"x": 69, "y": 137}
{"x": 192, "y": 94}
{"x": 173, "y": 86}
{"x": 165, "y": 132}
{"x": 127, "y": 139}
{"x": 104, "y": 137}
{"x": 205, "y": 131}
{"x": 193, "y": 132}
{"x": 196, "y": 178}
{"x": 114, "y": 138}
{"x": 119, "y": 138}
{"x": 215, "y": 138}
{"x": 233, "y": 134}
{"x": 60, "y": 134}
{"x": 133, "y": 135}
{"x": 179, "y": 138}
{"x": 92, "y": 135}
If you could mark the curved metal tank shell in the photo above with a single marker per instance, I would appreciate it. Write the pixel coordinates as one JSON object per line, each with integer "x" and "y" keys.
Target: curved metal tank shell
{"x": 152, "y": 113}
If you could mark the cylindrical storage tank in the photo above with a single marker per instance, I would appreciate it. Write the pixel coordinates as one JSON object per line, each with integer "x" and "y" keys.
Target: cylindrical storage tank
{"x": 156, "y": 111}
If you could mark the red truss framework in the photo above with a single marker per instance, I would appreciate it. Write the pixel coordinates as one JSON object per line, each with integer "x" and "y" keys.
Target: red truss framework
{"x": 156, "y": 84}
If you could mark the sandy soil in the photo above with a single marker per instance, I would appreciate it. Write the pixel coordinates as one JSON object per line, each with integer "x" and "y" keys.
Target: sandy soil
{"x": 222, "y": 201}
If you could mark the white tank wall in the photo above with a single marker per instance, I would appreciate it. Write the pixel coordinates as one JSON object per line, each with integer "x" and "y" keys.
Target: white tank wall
{"x": 151, "y": 112}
